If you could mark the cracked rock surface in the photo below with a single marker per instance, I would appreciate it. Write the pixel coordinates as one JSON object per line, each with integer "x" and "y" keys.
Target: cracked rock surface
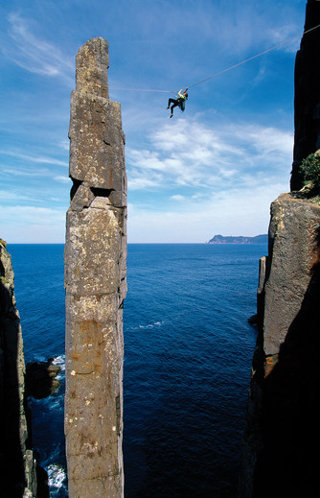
{"x": 95, "y": 282}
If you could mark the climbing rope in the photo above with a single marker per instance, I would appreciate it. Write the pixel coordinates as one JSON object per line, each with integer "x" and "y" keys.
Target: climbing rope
{"x": 230, "y": 68}
{"x": 274, "y": 47}
{"x": 141, "y": 89}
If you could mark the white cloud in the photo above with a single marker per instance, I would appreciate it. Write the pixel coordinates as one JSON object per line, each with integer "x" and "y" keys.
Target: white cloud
{"x": 31, "y": 214}
{"x": 191, "y": 154}
{"x": 242, "y": 212}
{"x": 139, "y": 181}
{"x": 287, "y": 36}
{"x": 64, "y": 144}
{"x": 24, "y": 224}
{"x": 223, "y": 177}
{"x": 35, "y": 159}
{"x": 62, "y": 179}
{"x": 30, "y": 172}
{"x": 35, "y": 54}
{"x": 267, "y": 141}
{"x": 246, "y": 28}
{"x": 10, "y": 195}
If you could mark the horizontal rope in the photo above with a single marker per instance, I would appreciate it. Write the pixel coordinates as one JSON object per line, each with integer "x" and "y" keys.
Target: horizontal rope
{"x": 141, "y": 89}
{"x": 274, "y": 47}
{"x": 229, "y": 68}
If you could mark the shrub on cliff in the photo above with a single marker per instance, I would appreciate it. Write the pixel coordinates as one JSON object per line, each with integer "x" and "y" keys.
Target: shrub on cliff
{"x": 310, "y": 168}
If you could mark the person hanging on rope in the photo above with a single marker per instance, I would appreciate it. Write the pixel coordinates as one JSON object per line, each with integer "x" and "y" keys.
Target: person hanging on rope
{"x": 178, "y": 102}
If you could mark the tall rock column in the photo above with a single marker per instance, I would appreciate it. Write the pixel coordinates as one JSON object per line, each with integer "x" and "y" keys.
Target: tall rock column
{"x": 95, "y": 282}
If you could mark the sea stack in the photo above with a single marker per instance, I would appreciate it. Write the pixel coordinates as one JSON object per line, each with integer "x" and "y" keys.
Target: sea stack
{"x": 95, "y": 282}
{"x": 283, "y": 433}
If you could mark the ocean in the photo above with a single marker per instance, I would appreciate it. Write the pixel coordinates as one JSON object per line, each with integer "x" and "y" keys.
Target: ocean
{"x": 188, "y": 352}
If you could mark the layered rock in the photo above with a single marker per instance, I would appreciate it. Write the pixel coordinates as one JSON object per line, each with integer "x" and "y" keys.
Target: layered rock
{"x": 282, "y": 422}
{"x": 18, "y": 468}
{"x": 95, "y": 281}
{"x": 307, "y": 96}
{"x": 283, "y": 434}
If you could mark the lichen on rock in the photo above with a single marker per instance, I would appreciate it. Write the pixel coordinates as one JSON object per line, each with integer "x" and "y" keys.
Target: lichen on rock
{"x": 95, "y": 282}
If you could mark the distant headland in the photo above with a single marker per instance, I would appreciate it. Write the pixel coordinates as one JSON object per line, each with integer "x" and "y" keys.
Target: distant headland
{"x": 220, "y": 239}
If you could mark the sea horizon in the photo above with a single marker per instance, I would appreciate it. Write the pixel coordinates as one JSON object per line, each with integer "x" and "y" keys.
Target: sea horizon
{"x": 187, "y": 361}
{"x": 136, "y": 243}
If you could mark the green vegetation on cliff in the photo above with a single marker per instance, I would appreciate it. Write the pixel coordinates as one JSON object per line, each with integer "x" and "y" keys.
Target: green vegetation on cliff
{"x": 310, "y": 169}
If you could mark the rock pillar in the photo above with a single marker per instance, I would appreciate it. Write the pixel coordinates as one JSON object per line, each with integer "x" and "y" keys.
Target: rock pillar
{"x": 95, "y": 282}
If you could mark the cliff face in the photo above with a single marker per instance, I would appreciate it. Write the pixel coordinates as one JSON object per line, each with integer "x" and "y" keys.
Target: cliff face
{"x": 282, "y": 422}
{"x": 17, "y": 462}
{"x": 307, "y": 97}
{"x": 283, "y": 432}
{"x": 95, "y": 281}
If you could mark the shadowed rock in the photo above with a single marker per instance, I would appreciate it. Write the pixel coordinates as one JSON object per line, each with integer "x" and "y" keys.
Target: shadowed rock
{"x": 41, "y": 379}
{"x": 21, "y": 476}
{"x": 282, "y": 434}
{"x": 283, "y": 431}
{"x": 307, "y": 96}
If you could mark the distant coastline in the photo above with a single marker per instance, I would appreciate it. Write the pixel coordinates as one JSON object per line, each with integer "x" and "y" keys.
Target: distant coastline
{"x": 220, "y": 239}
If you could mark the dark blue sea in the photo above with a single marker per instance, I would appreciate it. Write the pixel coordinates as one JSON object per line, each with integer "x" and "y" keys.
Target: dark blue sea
{"x": 188, "y": 352}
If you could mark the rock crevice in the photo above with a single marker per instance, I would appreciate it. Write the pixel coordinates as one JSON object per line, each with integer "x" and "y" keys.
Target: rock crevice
{"x": 282, "y": 433}
{"x": 282, "y": 427}
{"x": 95, "y": 281}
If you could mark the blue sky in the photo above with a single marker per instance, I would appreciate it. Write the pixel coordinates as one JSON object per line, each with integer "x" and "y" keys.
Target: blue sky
{"x": 213, "y": 169}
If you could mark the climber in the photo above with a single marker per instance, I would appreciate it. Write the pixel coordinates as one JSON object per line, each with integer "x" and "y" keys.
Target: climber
{"x": 178, "y": 102}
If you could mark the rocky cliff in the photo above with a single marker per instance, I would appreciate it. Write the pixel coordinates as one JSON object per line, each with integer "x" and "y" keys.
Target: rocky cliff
{"x": 18, "y": 468}
{"x": 282, "y": 416}
{"x": 307, "y": 96}
{"x": 283, "y": 433}
{"x": 95, "y": 282}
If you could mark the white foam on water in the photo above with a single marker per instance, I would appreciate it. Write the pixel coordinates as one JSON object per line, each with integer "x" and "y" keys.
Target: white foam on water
{"x": 60, "y": 361}
{"x": 149, "y": 326}
{"x": 56, "y": 476}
